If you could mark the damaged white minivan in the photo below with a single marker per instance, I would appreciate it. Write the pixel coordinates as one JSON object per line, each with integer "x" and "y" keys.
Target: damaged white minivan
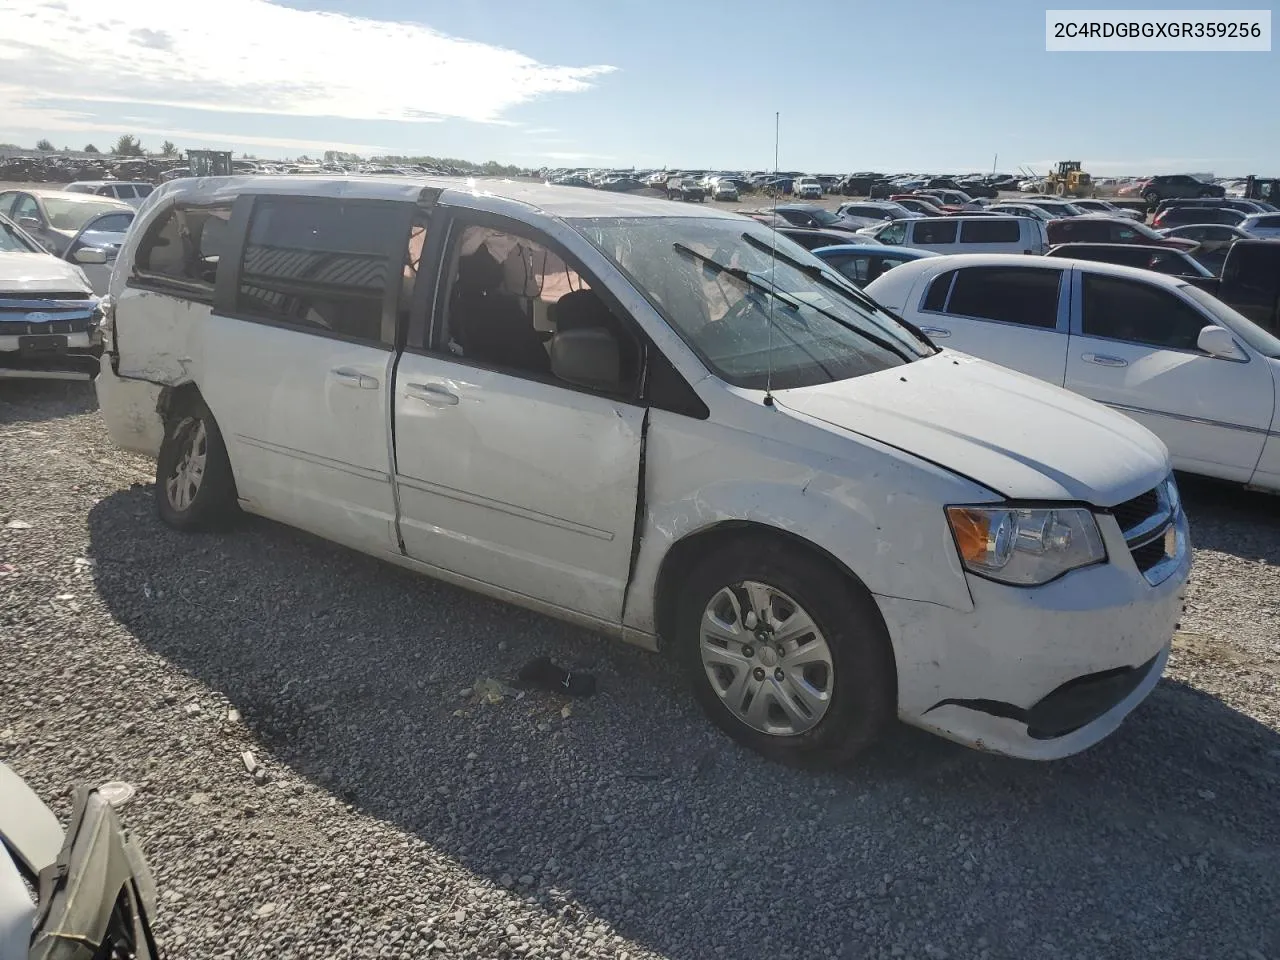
{"x": 669, "y": 425}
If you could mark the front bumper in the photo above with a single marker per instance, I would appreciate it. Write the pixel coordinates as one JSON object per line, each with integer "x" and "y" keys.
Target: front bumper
{"x": 1039, "y": 673}
{"x": 131, "y": 409}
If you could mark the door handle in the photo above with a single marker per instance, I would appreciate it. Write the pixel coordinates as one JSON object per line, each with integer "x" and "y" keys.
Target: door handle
{"x": 353, "y": 378}
{"x": 435, "y": 394}
{"x": 1104, "y": 360}
{"x": 940, "y": 333}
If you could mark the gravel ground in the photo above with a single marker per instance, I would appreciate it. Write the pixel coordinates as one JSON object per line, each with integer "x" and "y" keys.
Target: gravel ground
{"x": 399, "y": 814}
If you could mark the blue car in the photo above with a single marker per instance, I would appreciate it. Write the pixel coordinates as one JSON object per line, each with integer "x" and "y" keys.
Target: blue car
{"x": 863, "y": 263}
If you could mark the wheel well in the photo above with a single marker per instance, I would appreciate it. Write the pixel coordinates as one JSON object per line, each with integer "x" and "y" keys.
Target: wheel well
{"x": 686, "y": 553}
{"x": 177, "y": 398}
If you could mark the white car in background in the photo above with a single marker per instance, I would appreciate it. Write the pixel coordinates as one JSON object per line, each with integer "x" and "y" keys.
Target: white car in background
{"x": 1264, "y": 226}
{"x": 130, "y": 192}
{"x": 1198, "y": 374}
{"x": 806, "y": 187}
{"x": 724, "y": 189}
{"x": 1094, "y": 205}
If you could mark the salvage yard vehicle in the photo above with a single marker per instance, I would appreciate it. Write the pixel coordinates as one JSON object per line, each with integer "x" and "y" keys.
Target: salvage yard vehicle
{"x": 1174, "y": 357}
{"x": 862, "y": 263}
{"x": 667, "y": 424}
{"x": 94, "y": 892}
{"x": 48, "y": 314}
{"x": 131, "y": 193}
{"x": 964, "y": 234}
{"x": 55, "y": 217}
{"x": 1096, "y": 228}
{"x": 1174, "y": 263}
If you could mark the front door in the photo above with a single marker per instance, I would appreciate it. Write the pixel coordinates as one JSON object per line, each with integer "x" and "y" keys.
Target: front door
{"x": 504, "y": 473}
{"x": 297, "y": 362}
{"x": 1133, "y": 346}
{"x": 1013, "y": 316}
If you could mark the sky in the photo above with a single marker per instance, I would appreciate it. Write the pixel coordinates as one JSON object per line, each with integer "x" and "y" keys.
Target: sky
{"x": 913, "y": 85}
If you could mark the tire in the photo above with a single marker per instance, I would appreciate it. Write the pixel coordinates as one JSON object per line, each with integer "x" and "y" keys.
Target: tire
{"x": 849, "y": 699}
{"x": 188, "y": 500}
{"x": 1152, "y": 198}
{"x": 1062, "y": 190}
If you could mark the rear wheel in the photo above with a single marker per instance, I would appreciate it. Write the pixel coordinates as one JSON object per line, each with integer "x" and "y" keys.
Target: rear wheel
{"x": 195, "y": 489}
{"x": 785, "y": 654}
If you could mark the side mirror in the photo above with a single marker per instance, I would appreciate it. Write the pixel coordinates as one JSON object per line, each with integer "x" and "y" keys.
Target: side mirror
{"x": 588, "y": 358}
{"x": 1218, "y": 342}
{"x": 30, "y": 223}
{"x": 88, "y": 255}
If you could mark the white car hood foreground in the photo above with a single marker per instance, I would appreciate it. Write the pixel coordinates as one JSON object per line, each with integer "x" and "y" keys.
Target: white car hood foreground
{"x": 39, "y": 273}
{"x": 1016, "y": 435}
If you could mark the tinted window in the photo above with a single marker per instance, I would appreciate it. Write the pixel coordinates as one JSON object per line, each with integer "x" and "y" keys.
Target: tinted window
{"x": 1272, "y": 221}
{"x": 125, "y": 191}
{"x": 182, "y": 249}
{"x": 319, "y": 264}
{"x": 1070, "y": 231}
{"x": 1254, "y": 266}
{"x": 1122, "y": 309}
{"x": 1011, "y": 294}
{"x": 144, "y": 189}
{"x": 933, "y": 232}
{"x": 936, "y": 298}
{"x": 991, "y": 230}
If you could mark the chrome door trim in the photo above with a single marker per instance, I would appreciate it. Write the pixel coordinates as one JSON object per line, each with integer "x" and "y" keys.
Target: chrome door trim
{"x": 1203, "y": 421}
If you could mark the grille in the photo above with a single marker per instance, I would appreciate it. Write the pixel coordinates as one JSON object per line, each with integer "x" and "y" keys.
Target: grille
{"x": 1144, "y": 521}
{"x": 18, "y": 328}
{"x": 1132, "y": 512}
{"x": 26, "y": 295}
{"x": 1149, "y": 554}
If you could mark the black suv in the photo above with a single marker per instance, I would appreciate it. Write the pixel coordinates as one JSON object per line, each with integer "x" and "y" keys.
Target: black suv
{"x": 685, "y": 188}
{"x": 1173, "y": 185}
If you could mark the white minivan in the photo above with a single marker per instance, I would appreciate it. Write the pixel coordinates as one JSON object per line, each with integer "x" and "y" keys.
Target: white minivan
{"x": 960, "y": 234}
{"x": 670, "y": 425}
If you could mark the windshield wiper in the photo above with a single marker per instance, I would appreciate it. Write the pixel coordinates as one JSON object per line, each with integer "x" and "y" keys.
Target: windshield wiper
{"x": 817, "y": 273}
{"x": 739, "y": 274}
{"x": 844, "y": 286}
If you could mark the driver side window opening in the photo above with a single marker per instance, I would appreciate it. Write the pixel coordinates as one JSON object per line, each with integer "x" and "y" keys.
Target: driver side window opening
{"x": 507, "y": 297}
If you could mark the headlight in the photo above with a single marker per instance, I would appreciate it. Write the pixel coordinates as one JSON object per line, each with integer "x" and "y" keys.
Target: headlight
{"x": 1025, "y": 546}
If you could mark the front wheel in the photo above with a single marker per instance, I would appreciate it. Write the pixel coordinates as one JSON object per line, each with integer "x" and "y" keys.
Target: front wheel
{"x": 785, "y": 654}
{"x": 195, "y": 489}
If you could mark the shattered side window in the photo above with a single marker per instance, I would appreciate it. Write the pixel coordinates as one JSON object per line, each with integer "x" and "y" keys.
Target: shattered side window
{"x": 182, "y": 249}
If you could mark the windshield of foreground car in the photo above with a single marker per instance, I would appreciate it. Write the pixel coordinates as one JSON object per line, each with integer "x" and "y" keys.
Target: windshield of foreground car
{"x": 11, "y": 241}
{"x": 1236, "y": 322}
{"x": 710, "y": 280}
{"x": 72, "y": 215}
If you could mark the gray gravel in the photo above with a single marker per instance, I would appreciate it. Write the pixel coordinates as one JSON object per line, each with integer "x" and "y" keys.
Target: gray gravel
{"x": 394, "y": 815}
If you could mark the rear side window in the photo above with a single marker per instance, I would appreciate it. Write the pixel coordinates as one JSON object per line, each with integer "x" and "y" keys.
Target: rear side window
{"x": 934, "y": 231}
{"x": 319, "y": 264}
{"x": 990, "y": 230}
{"x": 144, "y": 189}
{"x": 1271, "y": 221}
{"x": 936, "y": 298}
{"x": 1122, "y": 309}
{"x": 1026, "y": 296}
{"x": 181, "y": 250}
{"x": 1095, "y": 231}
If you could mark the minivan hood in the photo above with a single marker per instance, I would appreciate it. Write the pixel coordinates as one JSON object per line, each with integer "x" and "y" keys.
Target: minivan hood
{"x": 39, "y": 273}
{"x": 1021, "y": 437}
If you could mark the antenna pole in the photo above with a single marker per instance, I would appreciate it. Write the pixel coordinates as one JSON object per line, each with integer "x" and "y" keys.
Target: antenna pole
{"x": 773, "y": 266}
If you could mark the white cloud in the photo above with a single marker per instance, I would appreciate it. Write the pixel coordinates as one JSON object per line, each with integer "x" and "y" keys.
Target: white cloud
{"x": 257, "y": 57}
{"x": 68, "y": 126}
